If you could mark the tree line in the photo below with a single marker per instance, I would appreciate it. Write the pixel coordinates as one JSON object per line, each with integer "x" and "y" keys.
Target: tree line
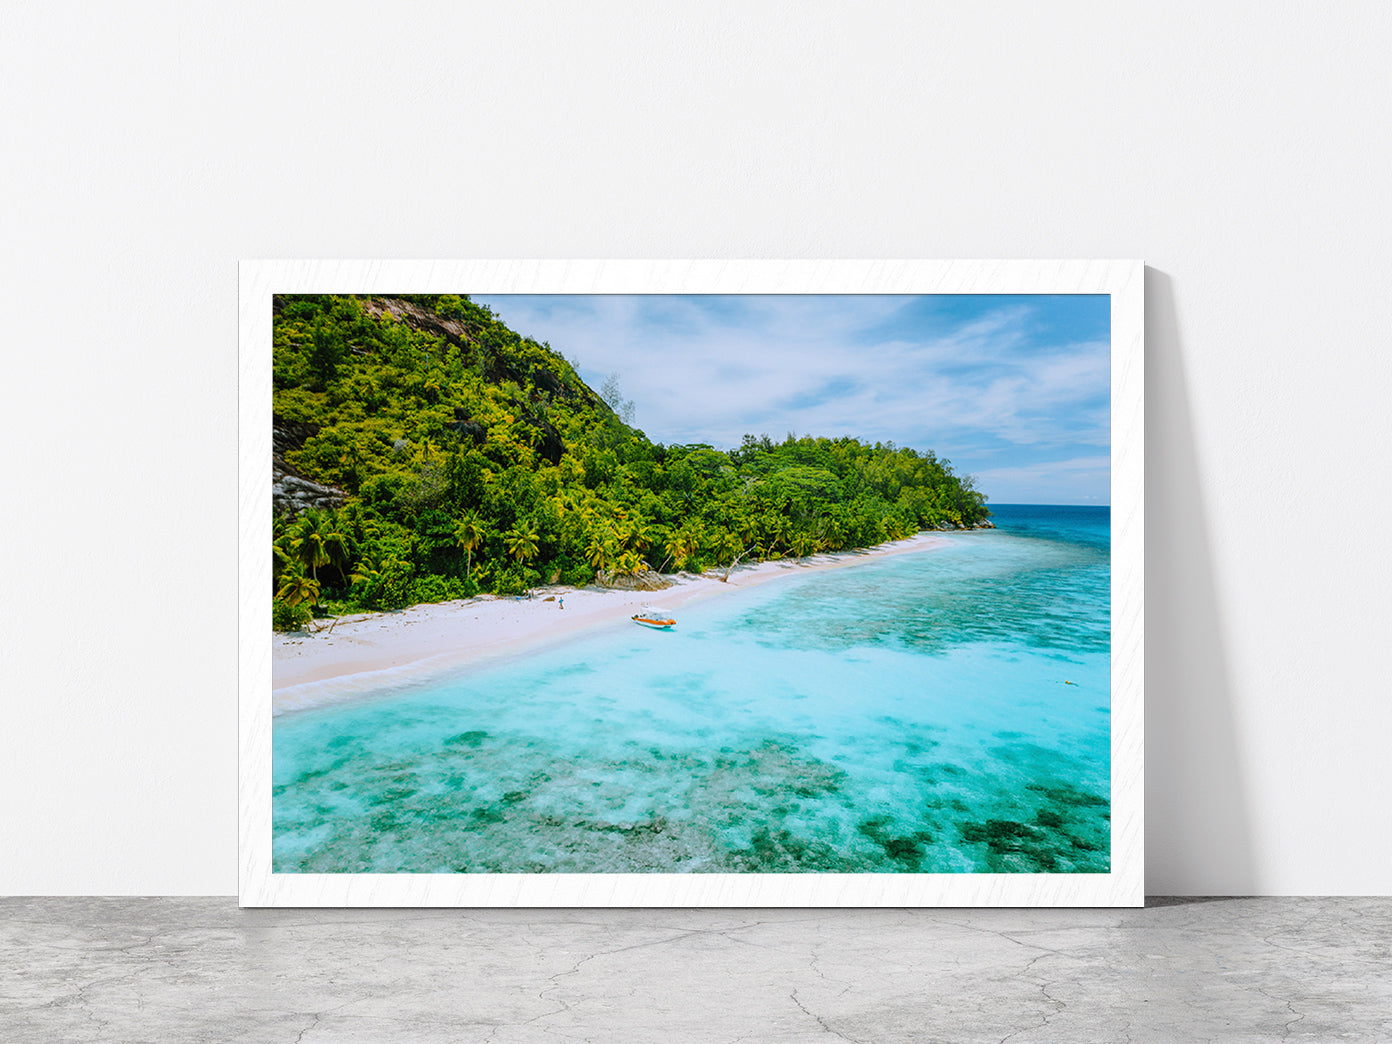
{"x": 472, "y": 459}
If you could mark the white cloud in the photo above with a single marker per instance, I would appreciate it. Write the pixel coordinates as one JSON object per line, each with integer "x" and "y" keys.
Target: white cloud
{"x": 986, "y": 392}
{"x": 1080, "y": 480}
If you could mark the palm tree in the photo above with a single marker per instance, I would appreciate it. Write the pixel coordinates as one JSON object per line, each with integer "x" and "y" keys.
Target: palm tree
{"x": 298, "y": 588}
{"x": 369, "y": 569}
{"x": 307, "y": 542}
{"x": 469, "y": 533}
{"x": 833, "y": 535}
{"x": 336, "y": 543}
{"x": 598, "y": 551}
{"x": 775, "y": 528}
{"x": 382, "y": 580}
{"x": 280, "y": 561}
{"x": 633, "y": 535}
{"x": 699, "y": 540}
{"x": 521, "y": 543}
{"x": 682, "y": 545}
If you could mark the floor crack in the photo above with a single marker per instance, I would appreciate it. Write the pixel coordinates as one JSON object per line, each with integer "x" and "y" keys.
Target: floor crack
{"x": 820, "y": 1021}
{"x": 317, "y": 1017}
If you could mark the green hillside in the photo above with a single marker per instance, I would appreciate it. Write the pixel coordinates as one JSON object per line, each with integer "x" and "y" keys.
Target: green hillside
{"x": 424, "y": 451}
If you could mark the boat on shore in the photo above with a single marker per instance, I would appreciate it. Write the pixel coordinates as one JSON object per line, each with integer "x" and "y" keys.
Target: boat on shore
{"x": 657, "y": 619}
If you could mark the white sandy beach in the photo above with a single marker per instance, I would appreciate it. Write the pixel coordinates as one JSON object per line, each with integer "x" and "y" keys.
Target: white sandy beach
{"x": 360, "y": 654}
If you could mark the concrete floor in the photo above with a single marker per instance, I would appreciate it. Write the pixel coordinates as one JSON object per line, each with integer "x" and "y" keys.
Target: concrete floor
{"x": 174, "y": 970}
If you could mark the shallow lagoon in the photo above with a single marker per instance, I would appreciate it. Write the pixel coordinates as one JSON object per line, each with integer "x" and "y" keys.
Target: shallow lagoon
{"x": 945, "y": 711}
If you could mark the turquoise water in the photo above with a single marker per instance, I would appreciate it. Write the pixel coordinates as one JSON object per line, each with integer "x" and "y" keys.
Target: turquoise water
{"x": 944, "y": 711}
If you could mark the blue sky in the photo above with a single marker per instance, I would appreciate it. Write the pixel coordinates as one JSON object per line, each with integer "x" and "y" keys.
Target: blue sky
{"x": 1013, "y": 390}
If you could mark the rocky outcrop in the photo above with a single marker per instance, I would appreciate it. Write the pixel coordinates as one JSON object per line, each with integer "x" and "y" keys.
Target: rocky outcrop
{"x": 292, "y": 495}
{"x": 286, "y": 437}
{"x": 419, "y": 318}
{"x": 291, "y": 492}
{"x": 496, "y": 364}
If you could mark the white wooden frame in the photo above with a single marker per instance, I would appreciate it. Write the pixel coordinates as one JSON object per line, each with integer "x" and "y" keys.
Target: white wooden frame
{"x": 1123, "y": 280}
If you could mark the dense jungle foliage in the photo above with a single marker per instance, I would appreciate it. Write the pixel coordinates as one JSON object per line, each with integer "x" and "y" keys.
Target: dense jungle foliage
{"x": 474, "y": 459}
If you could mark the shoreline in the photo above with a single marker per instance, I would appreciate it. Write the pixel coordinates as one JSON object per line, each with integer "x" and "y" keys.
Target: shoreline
{"x": 362, "y": 654}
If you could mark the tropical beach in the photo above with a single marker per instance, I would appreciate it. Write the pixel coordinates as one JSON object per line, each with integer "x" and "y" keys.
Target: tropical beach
{"x": 352, "y": 657}
{"x": 852, "y": 663}
{"x": 942, "y": 709}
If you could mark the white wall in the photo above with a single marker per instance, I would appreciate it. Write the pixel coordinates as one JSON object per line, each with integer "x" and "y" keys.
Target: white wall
{"x": 1243, "y": 153}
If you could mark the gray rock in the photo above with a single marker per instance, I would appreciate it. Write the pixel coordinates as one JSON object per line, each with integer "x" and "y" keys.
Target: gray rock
{"x": 292, "y": 494}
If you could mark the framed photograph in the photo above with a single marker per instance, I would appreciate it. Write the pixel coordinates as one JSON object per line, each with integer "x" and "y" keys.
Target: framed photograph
{"x": 691, "y": 583}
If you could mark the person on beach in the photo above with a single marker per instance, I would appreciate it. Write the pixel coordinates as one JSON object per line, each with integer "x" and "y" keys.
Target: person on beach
{"x": 561, "y": 601}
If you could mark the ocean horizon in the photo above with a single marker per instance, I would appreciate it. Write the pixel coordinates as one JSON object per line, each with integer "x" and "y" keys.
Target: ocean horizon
{"x": 942, "y": 711}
